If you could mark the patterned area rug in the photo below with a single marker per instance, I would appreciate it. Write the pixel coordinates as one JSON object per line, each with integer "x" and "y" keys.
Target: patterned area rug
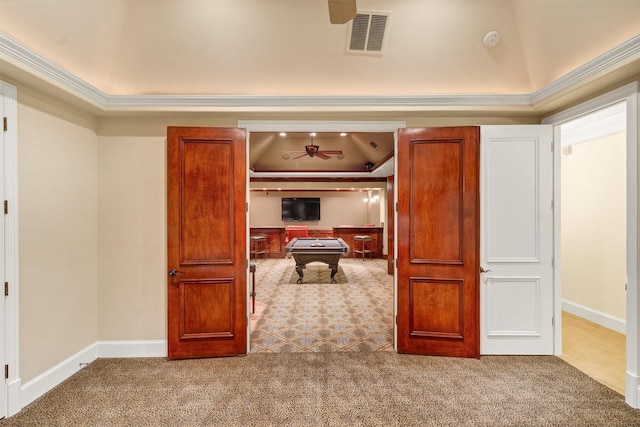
{"x": 317, "y": 273}
{"x": 352, "y": 315}
{"x": 257, "y": 315}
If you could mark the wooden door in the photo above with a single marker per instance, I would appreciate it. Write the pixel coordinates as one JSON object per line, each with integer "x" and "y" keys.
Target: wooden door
{"x": 206, "y": 233}
{"x": 390, "y": 225}
{"x": 438, "y": 241}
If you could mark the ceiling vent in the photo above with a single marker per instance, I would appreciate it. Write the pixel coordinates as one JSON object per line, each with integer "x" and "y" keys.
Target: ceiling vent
{"x": 367, "y": 32}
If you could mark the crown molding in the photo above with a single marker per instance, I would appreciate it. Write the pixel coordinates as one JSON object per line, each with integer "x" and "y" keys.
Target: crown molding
{"x": 315, "y": 103}
{"x": 615, "y": 57}
{"x": 32, "y": 62}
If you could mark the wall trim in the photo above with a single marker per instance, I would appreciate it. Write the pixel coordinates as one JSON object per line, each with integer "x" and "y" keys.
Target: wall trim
{"x": 11, "y": 319}
{"x": 49, "y": 379}
{"x": 32, "y": 62}
{"x": 632, "y": 390}
{"x": 603, "y": 319}
{"x": 133, "y": 348}
{"x": 615, "y": 57}
{"x": 38, "y": 64}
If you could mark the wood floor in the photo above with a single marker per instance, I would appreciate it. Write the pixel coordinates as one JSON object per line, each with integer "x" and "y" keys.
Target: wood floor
{"x": 597, "y": 351}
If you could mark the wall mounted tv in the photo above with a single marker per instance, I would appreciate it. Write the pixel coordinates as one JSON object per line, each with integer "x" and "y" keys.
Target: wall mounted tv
{"x": 301, "y": 209}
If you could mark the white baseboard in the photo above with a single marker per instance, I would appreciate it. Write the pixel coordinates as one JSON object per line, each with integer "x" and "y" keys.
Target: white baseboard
{"x": 54, "y": 376}
{"x": 65, "y": 369}
{"x": 14, "y": 397}
{"x": 598, "y": 317}
{"x": 150, "y": 348}
{"x": 632, "y": 388}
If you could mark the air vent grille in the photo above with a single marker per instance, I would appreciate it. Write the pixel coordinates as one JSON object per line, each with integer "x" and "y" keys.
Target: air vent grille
{"x": 367, "y": 32}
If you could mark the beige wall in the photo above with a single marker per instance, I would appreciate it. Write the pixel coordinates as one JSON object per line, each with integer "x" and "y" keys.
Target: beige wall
{"x": 132, "y": 272}
{"x": 92, "y": 224}
{"x": 336, "y": 207}
{"x": 593, "y": 225}
{"x": 132, "y": 238}
{"x": 58, "y": 212}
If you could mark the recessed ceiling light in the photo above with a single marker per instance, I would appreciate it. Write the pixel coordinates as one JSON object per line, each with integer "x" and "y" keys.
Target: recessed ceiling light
{"x": 313, "y": 134}
{"x": 283, "y": 134}
{"x": 343, "y": 134}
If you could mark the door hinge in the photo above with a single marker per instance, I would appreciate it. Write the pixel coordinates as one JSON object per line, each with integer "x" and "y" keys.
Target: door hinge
{"x": 396, "y": 261}
{"x": 396, "y": 206}
{"x": 4, "y": 123}
{"x": 6, "y": 372}
{"x": 6, "y": 207}
{"x": 6, "y": 289}
{"x": 247, "y": 207}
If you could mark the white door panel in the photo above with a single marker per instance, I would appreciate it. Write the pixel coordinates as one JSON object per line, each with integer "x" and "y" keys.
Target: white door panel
{"x": 516, "y": 235}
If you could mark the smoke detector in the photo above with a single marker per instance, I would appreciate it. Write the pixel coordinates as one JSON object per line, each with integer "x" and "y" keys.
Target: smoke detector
{"x": 491, "y": 39}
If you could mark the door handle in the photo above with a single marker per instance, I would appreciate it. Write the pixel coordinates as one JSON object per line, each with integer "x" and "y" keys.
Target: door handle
{"x": 482, "y": 270}
{"x": 173, "y": 272}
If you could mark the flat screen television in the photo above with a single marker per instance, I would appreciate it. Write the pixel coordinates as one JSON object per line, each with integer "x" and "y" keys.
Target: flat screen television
{"x": 301, "y": 209}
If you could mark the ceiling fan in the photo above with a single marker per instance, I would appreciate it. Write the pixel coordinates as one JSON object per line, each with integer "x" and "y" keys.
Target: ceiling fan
{"x": 341, "y": 11}
{"x": 313, "y": 150}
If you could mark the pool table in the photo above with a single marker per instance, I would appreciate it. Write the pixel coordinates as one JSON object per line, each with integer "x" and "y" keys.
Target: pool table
{"x": 324, "y": 249}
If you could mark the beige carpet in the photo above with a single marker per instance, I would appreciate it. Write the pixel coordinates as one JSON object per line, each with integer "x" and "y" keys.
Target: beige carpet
{"x": 315, "y": 361}
{"x": 330, "y": 389}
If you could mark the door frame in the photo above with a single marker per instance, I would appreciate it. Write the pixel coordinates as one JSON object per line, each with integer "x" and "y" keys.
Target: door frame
{"x": 12, "y": 401}
{"x": 628, "y": 94}
{"x": 390, "y": 126}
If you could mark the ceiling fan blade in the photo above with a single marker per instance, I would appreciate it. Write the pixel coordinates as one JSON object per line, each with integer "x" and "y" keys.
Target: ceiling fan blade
{"x": 342, "y": 11}
{"x": 302, "y": 155}
{"x": 332, "y": 151}
{"x": 322, "y": 155}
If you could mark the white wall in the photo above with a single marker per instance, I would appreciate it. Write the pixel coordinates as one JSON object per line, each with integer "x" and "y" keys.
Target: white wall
{"x": 593, "y": 224}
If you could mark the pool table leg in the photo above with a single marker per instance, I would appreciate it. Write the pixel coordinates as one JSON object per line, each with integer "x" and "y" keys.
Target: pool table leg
{"x": 334, "y": 270}
{"x": 299, "y": 268}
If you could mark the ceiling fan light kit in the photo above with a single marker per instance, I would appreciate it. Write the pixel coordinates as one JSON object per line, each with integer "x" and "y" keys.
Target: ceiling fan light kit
{"x": 313, "y": 150}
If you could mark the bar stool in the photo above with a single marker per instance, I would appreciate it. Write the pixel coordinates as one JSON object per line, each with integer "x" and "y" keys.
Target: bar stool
{"x": 365, "y": 242}
{"x": 258, "y": 247}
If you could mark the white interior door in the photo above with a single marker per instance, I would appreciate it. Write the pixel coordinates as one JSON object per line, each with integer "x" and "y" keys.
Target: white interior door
{"x": 516, "y": 240}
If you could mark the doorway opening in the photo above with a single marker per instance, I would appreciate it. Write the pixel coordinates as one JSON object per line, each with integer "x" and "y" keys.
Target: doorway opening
{"x": 628, "y": 95}
{"x": 356, "y": 314}
{"x": 593, "y": 243}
